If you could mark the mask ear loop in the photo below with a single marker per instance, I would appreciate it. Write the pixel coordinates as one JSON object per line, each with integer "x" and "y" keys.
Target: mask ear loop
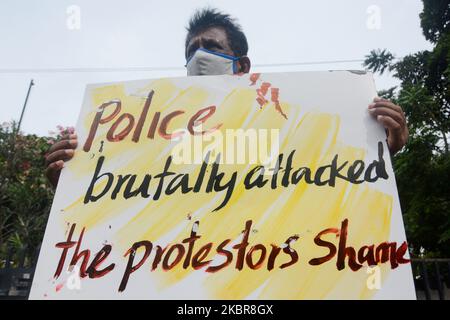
{"x": 189, "y": 59}
{"x": 235, "y": 71}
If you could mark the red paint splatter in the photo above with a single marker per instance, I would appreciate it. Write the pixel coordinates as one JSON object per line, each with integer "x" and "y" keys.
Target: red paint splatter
{"x": 261, "y": 92}
{"x": 59, "y": 287}
{"x": 254, "y": 77}
{"x": 274, "y": 97}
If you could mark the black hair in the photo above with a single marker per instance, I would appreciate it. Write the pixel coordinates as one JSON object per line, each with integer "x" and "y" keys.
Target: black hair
{"x": 207, "y": 18}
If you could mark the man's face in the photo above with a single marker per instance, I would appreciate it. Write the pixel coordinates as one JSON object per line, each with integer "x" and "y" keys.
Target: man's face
{"x": 213, "y": 39}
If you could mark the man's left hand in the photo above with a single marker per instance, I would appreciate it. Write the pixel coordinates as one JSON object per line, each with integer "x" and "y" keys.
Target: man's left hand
{"x": 393, "y": 119}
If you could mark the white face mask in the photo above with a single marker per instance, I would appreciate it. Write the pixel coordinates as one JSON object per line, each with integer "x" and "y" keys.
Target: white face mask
{"x": 205, "y": 62}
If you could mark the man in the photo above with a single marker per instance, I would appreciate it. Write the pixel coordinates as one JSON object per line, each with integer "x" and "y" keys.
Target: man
{"x": 215, "y": 45}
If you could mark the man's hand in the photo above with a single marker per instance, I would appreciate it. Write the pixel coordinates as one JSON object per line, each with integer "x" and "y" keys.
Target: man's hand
{"x": 58, "y": 153}
{"x": 393, "y": 119}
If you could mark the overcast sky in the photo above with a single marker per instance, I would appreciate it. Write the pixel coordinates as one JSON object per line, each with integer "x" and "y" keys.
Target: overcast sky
{"x": 43, "y": 40}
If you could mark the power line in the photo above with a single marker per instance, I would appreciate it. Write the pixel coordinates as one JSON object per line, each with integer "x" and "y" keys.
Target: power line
{"x": 308, "y": 63}
{"x": 82, "y": 70}
{"x": 147, "y": 69}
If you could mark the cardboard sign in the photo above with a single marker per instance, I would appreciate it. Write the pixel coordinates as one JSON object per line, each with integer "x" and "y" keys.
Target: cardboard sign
{"x": 260, "y": 186}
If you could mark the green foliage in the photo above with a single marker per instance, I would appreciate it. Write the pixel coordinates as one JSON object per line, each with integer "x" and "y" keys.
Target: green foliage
{"x": 435, "y": 19}
{"x": 379, "y": 60}
{"x": 423, "y": 167}
{"x": 25, "y": 195}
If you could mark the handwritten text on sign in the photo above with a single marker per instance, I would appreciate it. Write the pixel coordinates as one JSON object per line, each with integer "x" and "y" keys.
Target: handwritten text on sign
{"x": 254, "y": 186}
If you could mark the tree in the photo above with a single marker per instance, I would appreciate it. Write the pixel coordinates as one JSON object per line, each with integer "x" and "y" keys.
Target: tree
{"x": 423, "y": 167}
{"x": 25, "y": 194}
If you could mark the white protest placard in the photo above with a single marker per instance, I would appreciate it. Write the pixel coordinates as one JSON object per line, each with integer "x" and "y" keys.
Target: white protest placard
{"x": 258, "y": 186}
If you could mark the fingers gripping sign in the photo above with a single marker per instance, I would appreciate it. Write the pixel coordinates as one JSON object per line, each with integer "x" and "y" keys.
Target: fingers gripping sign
{"x": 60, "y": 152}
{"x": 393, "y": 119}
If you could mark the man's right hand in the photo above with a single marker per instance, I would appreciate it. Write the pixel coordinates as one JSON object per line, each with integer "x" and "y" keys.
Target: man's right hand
{"x": 58, "y": 153}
